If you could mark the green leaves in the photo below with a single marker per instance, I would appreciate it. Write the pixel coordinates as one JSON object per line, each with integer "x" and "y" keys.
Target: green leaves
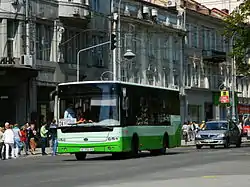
{"x": 237, "y": 26}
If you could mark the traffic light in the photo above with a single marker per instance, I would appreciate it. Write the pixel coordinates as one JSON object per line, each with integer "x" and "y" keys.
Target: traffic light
{"x": 113, "y": 42}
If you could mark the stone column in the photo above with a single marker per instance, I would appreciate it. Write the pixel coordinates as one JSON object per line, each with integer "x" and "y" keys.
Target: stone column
{"x": 216, "y": 112}
{"x": 143, "y": 58}
{"x": 171, "y": 54}
{"x": 3, "y": 37}
{"x": 32, "y": 97}
{"x": 18, "y": 49}
{"x": 159, "y": 62}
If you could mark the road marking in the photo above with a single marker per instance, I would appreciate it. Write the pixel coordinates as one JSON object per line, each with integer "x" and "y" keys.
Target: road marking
{"x": 209, "y": 177}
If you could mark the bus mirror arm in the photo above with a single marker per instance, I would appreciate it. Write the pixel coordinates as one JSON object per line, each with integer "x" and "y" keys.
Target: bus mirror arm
{"x": 53, "y": 94}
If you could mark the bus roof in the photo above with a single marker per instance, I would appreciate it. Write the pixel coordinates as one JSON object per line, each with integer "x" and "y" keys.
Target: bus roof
{"x": 119, "y": 82}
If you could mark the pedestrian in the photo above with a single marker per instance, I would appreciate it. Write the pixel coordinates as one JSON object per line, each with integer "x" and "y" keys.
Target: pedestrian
{"x": 44, "y": 134}
{"x": 17, "y": 140}
{"x": 24, "y": 139}
{"x": 185, "y": 129}
{"x": 8, "y": 139}
{"x": 53, "y": 132}
{"x": 1, "y": 143}
{"x": 32, "y": 135}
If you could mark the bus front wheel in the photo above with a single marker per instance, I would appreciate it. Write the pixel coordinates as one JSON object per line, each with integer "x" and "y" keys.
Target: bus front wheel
{"x": 80, "y": 156}
{"x": 134, "y": 146}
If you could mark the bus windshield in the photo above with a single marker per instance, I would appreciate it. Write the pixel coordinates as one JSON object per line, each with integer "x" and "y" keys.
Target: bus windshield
{"x": 95, "y": 104}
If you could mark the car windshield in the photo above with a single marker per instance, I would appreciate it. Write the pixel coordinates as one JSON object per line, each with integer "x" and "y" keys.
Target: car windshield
{"x": 216, "y": 126}
{"x": 89, "y": 105}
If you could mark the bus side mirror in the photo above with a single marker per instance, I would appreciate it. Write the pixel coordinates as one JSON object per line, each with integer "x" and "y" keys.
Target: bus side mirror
{"x": 52, "y": 95}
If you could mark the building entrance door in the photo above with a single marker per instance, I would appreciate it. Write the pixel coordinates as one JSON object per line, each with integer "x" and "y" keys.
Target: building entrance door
{"x": 7, "y": 106}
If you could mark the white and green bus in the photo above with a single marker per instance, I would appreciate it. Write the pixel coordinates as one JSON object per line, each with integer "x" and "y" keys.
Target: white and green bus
{"x": 117, "y": 118}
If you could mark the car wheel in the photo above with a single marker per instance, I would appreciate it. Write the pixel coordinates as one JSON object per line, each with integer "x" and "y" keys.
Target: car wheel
{"x": 198, "y": 146}
{"x": 227, "y": 144}
{"x": 238, "y": 143}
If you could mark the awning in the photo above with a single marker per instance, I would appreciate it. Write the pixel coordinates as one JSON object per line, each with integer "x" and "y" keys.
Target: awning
{"x": 12, "y": 75}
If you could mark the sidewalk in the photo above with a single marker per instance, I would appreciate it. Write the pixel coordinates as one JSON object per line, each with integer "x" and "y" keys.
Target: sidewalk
{"x": 190, "y": 143}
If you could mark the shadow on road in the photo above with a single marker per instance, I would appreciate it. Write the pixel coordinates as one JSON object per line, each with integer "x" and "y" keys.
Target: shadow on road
{"x": 112, "y": 158}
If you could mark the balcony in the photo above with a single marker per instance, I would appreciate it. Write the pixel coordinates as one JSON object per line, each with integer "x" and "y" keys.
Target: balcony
{"x": 214, "y": 56}
{"x": 74, "y": 13}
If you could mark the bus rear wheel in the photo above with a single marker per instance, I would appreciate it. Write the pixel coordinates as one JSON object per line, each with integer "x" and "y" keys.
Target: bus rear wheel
{"x": 163, "y": 150}
{"x": 80, "y": 156}
{"x": 134, "y": 147}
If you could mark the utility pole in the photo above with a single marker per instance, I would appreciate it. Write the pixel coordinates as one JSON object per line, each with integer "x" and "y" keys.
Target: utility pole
{"x": 119, "y": 41}
{"x": 27, "y": 20}
{"x": 113, "y": 32}
{"x": 233, "y": 79}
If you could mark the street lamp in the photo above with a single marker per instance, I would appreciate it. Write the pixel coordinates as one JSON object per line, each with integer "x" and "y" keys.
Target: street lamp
{"x": 129, "y": 54}
{"x": 233, "y": 78}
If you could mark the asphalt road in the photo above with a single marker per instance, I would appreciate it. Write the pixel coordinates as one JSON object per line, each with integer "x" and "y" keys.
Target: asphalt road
{"x": 182, "y": 166}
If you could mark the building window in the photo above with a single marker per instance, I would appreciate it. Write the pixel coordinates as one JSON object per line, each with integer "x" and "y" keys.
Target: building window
{"x": 213, "y": 39}
{"x": 44, "y": 35}
{"x": 206, "y": 38}
{"x": 194, "y": 113}
{"x": 96, "y": 5}
{"x": 12, "y": 27}
{"x": 194, "y": 37}
{"x": 188, "y": 36}
{"x": 97, "y": 53}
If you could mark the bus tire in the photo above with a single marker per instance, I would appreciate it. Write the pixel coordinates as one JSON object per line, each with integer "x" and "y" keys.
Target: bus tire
{"x": 134, "y": 146}
{"x": 165, "y": 145}
{"x": 80, "y": 156}
{"x": 161, "y": 151}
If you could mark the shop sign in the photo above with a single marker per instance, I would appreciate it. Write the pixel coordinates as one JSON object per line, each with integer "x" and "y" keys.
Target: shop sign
{"x": 243, "y": 109}
{"x": 224, "y": 97}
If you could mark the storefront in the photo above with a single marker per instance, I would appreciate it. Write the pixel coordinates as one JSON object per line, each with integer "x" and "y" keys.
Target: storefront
{"x": 15, "y": 96}
{"x": 243, "y": 109}
{"x": 199, "y": 105}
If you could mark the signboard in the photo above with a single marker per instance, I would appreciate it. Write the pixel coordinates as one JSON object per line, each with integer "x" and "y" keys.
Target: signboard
{"x": 224, "y": 97}
{"x": 243, "y": 109}
{"x": 66, "y": 122}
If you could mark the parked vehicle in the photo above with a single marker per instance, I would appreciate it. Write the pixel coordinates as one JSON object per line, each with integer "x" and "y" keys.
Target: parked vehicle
{"x": 218, "y": 133}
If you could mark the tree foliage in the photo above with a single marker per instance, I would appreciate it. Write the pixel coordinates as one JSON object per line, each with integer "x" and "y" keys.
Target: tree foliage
{"x": 237, "y": 27}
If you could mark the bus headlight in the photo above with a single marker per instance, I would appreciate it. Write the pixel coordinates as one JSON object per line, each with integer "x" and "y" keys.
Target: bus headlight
{"x": 113, "y": 138}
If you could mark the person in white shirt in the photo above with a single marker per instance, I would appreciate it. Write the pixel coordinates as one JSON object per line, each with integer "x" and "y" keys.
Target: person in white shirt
{"x": 185, "y": 130}
{"x": 8, "y": 139}
{"x": 1, "y": 143}
{"x": 69, "y": 113}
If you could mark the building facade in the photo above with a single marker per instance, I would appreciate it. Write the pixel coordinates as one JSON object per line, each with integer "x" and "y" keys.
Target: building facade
{"x": 225, "y": 5}
{"x": 39, "y": 48}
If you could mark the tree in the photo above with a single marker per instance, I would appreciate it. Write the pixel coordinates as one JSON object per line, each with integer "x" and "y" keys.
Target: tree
{"x": 237, "y": 27}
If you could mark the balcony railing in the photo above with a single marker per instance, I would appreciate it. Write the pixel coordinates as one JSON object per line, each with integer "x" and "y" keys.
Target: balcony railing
{"x": 214, "y": 56}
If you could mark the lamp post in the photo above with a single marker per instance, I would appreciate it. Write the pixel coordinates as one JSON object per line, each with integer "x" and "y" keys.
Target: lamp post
{"x": 119, "y": 40}
{"x": 233, "y": 78}
{"x": 78, "y": 57}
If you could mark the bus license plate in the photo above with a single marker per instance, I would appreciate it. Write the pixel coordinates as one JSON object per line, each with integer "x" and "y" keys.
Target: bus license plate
{"x": 86, "y": 149}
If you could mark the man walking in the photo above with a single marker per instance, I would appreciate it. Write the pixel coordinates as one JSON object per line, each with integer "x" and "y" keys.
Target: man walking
{"x": 43, "y": 133}
{"x": 8, "y": 139}
{"x": 53, "y": 132}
